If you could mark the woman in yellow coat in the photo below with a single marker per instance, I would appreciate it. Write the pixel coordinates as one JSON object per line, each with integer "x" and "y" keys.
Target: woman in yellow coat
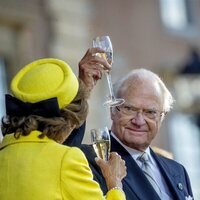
{"x": 47, "y": 103}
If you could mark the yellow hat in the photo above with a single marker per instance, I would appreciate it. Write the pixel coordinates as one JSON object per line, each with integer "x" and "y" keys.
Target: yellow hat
{"x": 44, "y": 79}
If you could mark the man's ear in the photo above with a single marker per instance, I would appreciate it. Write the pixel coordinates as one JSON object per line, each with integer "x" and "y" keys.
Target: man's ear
{"x": 112, "y": 112}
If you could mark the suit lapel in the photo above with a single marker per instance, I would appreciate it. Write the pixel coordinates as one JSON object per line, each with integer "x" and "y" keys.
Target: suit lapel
{"x": 170, "y": 175}
{"x": 135, "y": 183}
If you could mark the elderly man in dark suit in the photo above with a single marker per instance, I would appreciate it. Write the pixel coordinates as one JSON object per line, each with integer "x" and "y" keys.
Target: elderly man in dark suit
{"x": 134, "y": 125}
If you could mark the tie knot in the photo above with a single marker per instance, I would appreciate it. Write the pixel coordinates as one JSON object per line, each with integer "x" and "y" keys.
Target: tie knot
{"x": 143, "y": 158}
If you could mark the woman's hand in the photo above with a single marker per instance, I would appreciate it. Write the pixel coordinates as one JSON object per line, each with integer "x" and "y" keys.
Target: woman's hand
{"x": 92, "y": 66}
{"x": 113, "y": 170}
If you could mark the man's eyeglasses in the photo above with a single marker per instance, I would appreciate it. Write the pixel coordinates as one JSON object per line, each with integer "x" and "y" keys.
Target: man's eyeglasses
{"x": 133, "y": 111}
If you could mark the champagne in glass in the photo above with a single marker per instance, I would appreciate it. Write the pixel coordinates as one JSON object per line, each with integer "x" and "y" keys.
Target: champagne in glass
{"x": 104, "y": 43}
{"x": 101, "y": 142}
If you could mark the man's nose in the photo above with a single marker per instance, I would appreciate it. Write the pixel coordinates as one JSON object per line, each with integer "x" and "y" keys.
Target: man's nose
{"x": 138, "y": 119}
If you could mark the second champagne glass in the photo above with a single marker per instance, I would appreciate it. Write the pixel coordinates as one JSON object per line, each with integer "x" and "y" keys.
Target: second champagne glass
{"x": 101, "y": 142}
{"x": 104, "y": 43}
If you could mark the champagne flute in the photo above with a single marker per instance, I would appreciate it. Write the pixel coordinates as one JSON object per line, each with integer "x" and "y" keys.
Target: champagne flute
{"x": 101, "y": 142}
{"x": 104, "y": 43}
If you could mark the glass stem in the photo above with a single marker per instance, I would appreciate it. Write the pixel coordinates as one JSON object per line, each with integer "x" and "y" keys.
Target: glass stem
{"x": 108, "y": 77}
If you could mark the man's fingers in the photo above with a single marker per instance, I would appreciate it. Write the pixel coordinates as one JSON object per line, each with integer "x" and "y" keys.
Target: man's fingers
{"x": 101, "y": 62}
{"x": 96, "y": 74}
{"x": 96, "y": 50}
{"x": 93, "y": 51}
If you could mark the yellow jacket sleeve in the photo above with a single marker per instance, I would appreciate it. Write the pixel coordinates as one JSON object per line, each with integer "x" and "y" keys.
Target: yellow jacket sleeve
{"x": 115, "y": 194}
{"x": 77, "y": 180}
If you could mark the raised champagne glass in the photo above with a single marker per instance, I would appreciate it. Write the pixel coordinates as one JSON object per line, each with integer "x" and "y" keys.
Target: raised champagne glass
{"x": 101, "y": 142}
{"x": 104, "y": 43}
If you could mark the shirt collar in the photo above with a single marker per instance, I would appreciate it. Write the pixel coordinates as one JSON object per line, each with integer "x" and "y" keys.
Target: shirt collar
{"x": 133, "y": 152}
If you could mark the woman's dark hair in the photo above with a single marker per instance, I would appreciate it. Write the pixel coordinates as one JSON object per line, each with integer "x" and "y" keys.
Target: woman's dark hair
{"x": 57, "y": 128}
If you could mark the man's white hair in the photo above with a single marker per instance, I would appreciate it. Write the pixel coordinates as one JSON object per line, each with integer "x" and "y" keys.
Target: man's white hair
{"x": 146, "y": 74}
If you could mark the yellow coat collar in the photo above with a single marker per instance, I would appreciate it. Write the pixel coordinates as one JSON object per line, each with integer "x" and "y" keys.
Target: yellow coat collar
{"x": 32, "y": 137}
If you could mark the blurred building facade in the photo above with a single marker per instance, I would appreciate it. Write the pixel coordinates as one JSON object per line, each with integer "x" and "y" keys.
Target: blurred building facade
{"x": 142, "y": 36}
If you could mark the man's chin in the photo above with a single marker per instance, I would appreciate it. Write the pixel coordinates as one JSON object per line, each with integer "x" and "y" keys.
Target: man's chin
{"x": 136, "y": 141}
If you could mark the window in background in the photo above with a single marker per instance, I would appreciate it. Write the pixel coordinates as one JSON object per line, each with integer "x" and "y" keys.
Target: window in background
{"x": 175, "y": 14}
{"x": 185, "y": 144}
{"x": 3, "y": 89}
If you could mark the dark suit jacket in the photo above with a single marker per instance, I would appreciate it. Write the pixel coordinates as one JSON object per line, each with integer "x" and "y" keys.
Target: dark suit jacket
{"x": 76, "y": 137}
{"x": 135, "y": 184}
